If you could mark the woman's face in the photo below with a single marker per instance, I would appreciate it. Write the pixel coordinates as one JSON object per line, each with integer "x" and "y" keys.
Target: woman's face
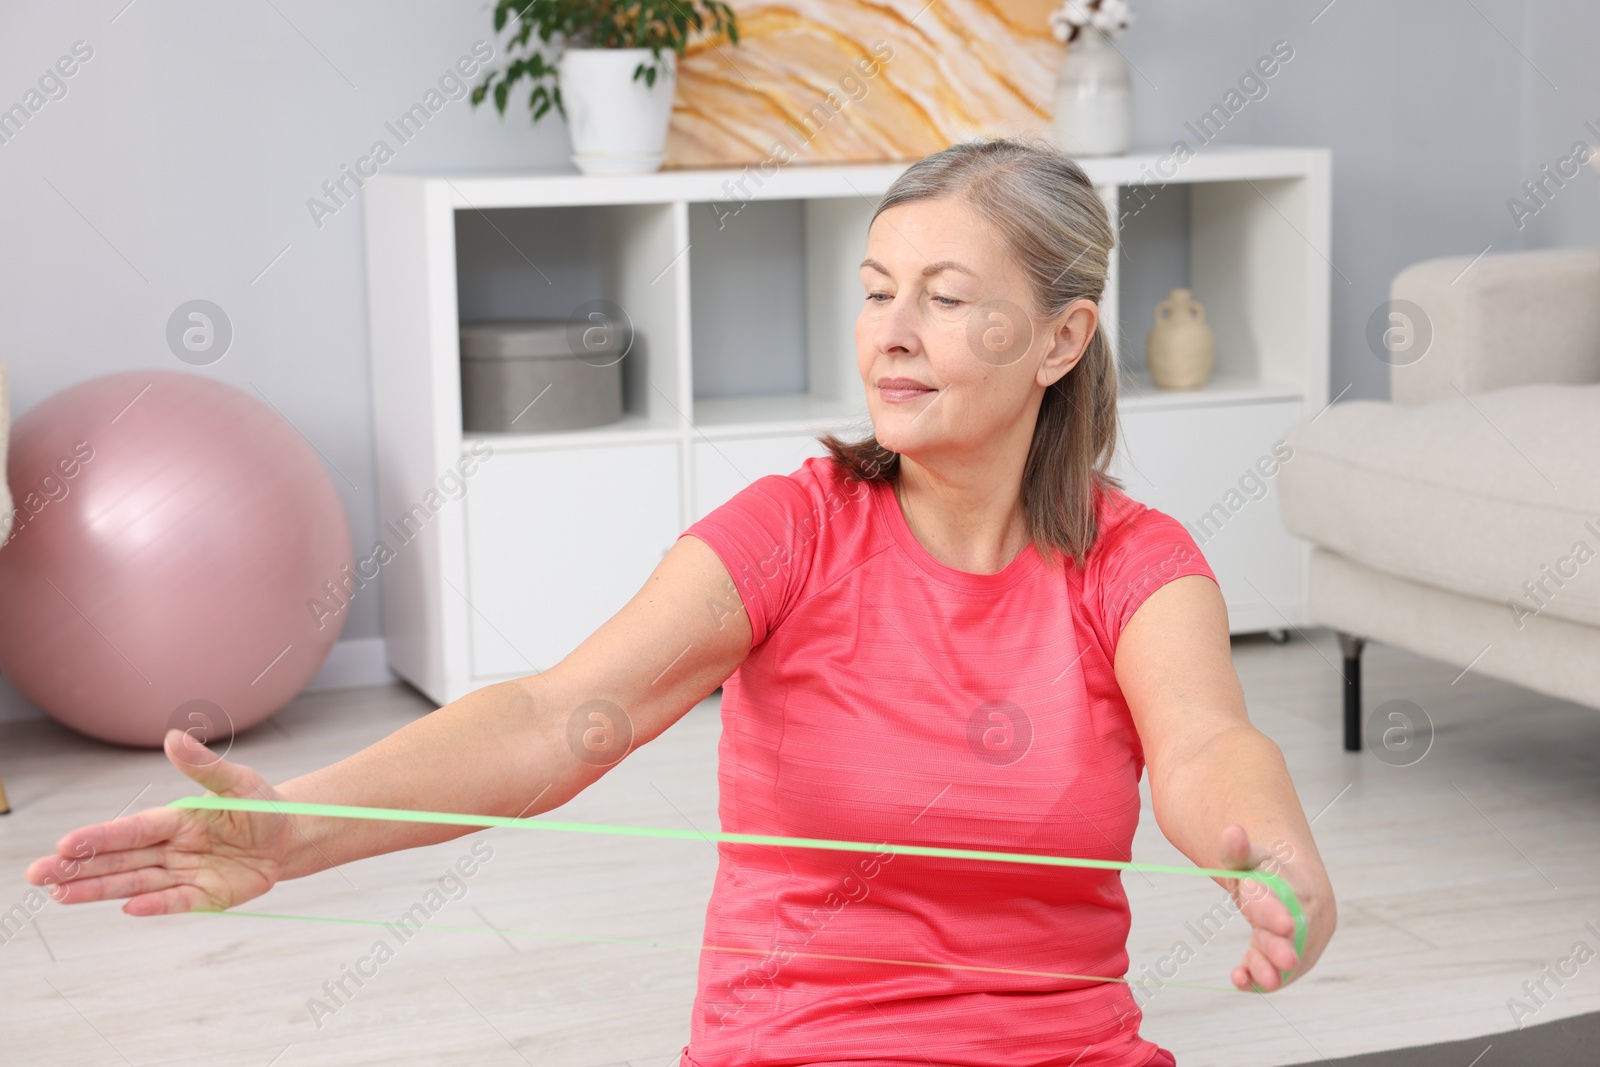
{"x": 948, "y": 350}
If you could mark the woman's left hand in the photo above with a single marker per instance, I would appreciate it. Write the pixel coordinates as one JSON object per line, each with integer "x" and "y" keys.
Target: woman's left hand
{"x": 1271, "y": 950}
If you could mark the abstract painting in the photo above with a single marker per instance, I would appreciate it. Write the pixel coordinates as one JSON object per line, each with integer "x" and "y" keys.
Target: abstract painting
{"x": 832, "y": 81}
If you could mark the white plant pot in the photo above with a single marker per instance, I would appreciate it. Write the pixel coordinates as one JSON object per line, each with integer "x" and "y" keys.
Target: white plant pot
{"x": 618, "y": 125}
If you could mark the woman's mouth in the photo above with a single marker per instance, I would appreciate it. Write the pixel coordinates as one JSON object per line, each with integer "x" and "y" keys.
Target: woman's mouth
{"x": 902, "y": 390}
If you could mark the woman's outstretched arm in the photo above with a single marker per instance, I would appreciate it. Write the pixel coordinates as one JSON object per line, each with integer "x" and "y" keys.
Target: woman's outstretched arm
{"x": 1220, "y": 788}
{"x": 508, "y": 749}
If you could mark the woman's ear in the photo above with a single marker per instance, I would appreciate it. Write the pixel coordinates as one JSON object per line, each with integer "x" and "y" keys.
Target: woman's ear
{"x": 1068, "y": 337}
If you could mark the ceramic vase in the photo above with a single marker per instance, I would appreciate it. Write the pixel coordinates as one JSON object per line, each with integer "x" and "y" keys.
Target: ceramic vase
{"x": 1180, "y": 349}
{"x": 1094, "y": 98}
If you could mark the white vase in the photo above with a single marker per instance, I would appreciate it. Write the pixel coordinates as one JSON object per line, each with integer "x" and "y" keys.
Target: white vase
{"x": 617, "y": 124}
{"x": 1094, "y": 98}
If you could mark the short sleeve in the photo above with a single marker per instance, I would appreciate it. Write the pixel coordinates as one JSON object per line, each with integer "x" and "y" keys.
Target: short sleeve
{"x": 1142, "y": 551}
{"x": 766, "y": 535}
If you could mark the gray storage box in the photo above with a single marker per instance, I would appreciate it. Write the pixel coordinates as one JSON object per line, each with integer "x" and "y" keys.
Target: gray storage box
{"x": 526, "y": 376}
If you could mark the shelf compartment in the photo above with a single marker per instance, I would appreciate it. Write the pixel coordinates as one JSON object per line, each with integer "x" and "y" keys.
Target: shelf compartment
{"x": 775, "y": 291}
{"x": 747, "y": 284}
{"x": 541, "y": 262}
{"x": 1241, "y": 246}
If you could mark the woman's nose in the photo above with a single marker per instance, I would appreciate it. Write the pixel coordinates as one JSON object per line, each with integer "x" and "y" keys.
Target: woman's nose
{"x": 894, "y": 328}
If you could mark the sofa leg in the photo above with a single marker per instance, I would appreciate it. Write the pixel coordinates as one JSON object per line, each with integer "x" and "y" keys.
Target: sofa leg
{"x": 1351, "y": 646}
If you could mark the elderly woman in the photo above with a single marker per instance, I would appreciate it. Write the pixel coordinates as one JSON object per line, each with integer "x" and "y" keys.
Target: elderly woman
{"x": 958, "y": 632}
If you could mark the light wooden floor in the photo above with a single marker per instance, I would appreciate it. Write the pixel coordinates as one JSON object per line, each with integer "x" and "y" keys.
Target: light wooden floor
{"x": 1459, "y": 878}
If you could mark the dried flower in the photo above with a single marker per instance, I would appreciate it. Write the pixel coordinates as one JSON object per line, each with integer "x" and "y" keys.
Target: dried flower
{"x": 1110, "y": 17}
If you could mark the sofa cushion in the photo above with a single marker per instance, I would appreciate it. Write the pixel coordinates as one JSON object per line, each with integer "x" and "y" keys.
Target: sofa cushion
{"x": 1496, "y": 495}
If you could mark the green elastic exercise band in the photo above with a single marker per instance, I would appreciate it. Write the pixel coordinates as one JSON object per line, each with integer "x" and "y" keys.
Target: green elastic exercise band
{"x": 1279, "y": 887}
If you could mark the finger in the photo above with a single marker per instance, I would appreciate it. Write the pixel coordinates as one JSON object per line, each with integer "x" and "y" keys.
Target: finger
{"x": 51, "y": 871}
{"x": 1275, "y": 948}
{"x": 1236, "y": 851}
{"x": 115, "y": 886}
{"x": 1244, "y": 979}
{"x": 1266, "y": 911}
{"x": 1262, "y": 971}
{"x": 109, "y": 863}
{"x": 173, "y": 901}
{"x": 139, "y": 830}
{"x": 84, "y": 843}
{"x": 194, "y": 759}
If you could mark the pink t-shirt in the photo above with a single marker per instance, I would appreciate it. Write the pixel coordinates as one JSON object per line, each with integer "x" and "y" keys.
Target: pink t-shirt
{"x": 892, "y": 699}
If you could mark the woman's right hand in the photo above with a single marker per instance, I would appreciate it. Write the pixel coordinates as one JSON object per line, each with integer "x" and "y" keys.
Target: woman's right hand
{"x": 167, "y": 860}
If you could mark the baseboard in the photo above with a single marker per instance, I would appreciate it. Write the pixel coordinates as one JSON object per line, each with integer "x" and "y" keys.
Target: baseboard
{"x": 360, "y": 661}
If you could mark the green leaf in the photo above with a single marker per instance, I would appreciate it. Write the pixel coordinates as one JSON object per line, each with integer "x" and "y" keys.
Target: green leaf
{"x": 653, "y": 24}
{"x": 500, "y": 96}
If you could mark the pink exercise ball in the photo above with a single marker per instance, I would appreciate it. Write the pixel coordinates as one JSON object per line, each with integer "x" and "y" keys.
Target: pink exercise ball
{"x": 173, "y": 538}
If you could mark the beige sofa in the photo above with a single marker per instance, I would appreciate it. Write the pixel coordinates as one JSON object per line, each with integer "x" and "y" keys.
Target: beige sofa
{"x": 1461, "y": 519}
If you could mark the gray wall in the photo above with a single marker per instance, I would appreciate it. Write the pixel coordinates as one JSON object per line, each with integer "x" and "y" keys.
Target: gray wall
{"x": 180, "y": 160}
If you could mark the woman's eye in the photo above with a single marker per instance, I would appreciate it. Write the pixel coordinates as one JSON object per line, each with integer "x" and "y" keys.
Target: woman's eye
{"x": 942, "y": 301}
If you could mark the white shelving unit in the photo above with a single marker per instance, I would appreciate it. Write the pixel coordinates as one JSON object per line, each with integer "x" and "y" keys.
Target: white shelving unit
{"x": 744, "y": 295}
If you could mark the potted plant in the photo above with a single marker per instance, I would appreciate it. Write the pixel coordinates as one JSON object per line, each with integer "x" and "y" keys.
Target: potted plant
{"x": 615, "y": 76}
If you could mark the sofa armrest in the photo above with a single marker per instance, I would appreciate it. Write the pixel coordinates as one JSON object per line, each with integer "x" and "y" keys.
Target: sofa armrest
{"x": 1513, "y": 318}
